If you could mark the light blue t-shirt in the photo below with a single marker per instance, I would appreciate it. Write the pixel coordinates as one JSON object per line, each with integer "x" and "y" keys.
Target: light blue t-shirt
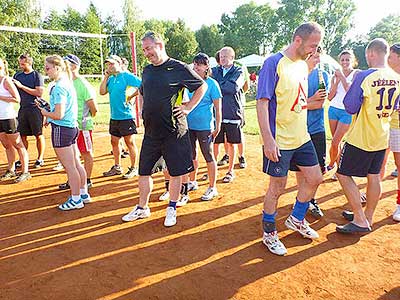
{"x": 315, "y": 117}
{"x": 202, "y": 116}
{"x": 63, "y": 92}
{"x": 117, "y": 86}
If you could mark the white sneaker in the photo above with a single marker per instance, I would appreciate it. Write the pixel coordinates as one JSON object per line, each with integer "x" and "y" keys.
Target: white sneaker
{"x": 136, "y": 213}
{"x": 164, "y": 196}
{"x": 192, "y": 186}
{"x": 58, "y": 167}
{"x": 209, "y": 194}
{"x": 170, "y": 217}
{"x": 86, "y": 198}
{"x": 271, "y": 240}
{"x": 183, "y": 201}
{"x": 301, "y": 227}
{"x": 396, "y": 214}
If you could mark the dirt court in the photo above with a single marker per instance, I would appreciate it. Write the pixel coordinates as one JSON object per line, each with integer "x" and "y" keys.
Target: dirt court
{"x": 214, "y": 251}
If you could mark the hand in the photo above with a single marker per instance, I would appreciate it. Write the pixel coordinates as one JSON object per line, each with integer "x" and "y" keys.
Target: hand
{"x": 271, "y": 151}
{"x": 17, "y": 83}
{"x": 339, "y": 74}
{"x": 180, "y": 111}
{"x": 320, "y": 95}
{"x": 215, "y": 132}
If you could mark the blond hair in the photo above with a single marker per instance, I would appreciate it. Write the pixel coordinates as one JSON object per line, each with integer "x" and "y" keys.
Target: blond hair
{"x": 5, "y": 69}
{"x": 57, "y": 61}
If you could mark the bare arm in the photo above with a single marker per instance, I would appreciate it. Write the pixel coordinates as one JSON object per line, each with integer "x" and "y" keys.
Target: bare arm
{"x": 92, "y": 107}
{"x": 271, "y": 149}
{"x": 218, "y": 114}
{"x": 103, "y": 84}
{"x": 37, "y": 91}
{"x": 12, "y": 89}
{"x": 57, "y": 114}
{"x": 334, "y": 86}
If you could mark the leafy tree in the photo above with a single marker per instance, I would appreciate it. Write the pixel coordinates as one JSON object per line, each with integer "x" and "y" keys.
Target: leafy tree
{"x": 209, "y": 39}
{"x": 21, "y": 13}
{"x": 181, "y": 42}
{"x": 249, "y": 29}
{"x": 358, "y": 46}
{"x": 334, "y": 15}
{"x": 388, "y": 28}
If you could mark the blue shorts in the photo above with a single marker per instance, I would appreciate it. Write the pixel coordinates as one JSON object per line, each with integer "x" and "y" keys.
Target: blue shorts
{"x": 62, "y": 136}
{"x": 304, "y": 156}
{"x": 339, "y": 115}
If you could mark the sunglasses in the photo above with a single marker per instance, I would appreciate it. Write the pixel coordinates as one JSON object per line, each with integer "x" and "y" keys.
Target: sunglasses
{"x": 395, "y": 48}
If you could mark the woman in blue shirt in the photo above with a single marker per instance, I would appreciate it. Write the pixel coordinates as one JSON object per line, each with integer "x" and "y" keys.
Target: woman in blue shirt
{"x": 62, "y": 116}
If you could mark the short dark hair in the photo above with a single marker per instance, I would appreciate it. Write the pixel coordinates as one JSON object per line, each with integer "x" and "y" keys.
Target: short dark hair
{"x": 306, "y": 29}
{"x": 27, "y": 57}
{"x": 154, "y": 36}
{"x": 395, "y": 48}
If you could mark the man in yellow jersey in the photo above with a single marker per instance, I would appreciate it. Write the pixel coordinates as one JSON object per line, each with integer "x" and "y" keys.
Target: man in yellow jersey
{"x": 372, "y": 98}
{"x": 282, "y": 117}
{"x": 394, "y": 138}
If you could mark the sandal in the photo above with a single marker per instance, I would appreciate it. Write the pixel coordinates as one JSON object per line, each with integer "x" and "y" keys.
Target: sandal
{"x": 348, "y": 215}
{"x": 228, "y": 177}
{"x": 352, "y": 228}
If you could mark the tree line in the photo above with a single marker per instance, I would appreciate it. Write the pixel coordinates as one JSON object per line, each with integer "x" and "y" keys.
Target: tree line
{"x": 251, "y": 28}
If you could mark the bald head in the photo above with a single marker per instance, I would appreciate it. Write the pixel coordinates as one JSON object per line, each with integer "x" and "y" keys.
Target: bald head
{"x": 227, "y": 56}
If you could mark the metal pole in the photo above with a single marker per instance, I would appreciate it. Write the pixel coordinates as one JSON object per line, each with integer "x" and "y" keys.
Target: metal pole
{"x": 134, "y": 71}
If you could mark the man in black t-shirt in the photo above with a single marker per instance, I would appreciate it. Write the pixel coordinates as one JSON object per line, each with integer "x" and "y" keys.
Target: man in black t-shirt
{"x": 164, "y": 116}
{"x": 30, "y": 121}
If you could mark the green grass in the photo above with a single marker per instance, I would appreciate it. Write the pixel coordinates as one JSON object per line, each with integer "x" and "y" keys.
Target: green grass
{"x": 251, "y": 126}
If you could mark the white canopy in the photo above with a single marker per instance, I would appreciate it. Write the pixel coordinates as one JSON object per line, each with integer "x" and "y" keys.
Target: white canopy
{"x": 252, "y": 60}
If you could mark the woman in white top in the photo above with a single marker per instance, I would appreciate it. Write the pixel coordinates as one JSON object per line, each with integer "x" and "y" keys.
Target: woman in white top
{"x": 339, "y": 119}
{"x": 9, "y": 137}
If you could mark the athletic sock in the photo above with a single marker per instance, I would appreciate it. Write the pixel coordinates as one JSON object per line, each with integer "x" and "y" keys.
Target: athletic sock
{"x": 172, "y": 204}
{"x": 300, "y": 210}
{"x": 269, "y": 224}
{"x": 76, "y": 198}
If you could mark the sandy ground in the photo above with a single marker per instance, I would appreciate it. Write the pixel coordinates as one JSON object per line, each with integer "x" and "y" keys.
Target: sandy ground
{"x": 214, "y": 251}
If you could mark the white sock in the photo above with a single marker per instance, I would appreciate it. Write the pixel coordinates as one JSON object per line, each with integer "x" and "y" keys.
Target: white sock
{"x": 76, "y": 198}
{"x": 84, "y": 190}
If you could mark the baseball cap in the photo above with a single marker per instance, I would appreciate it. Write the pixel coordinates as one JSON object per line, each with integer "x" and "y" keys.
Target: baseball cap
{"x": 114, "y": 59}
{"x": 73, "y": 59}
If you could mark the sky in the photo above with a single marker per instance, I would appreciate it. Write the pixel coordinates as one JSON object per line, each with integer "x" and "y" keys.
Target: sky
{"x": 197, "y": 13}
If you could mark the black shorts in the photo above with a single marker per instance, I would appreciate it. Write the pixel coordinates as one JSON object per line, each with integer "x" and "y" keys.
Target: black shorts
{"x": 9, "y": 126}
{"x": 205, "y": 139}
{"x": 175, "y": 149}
{"x": 62, "y": 136}
{"x": 120, "y": 128}
{"x": 233, "y": 133}
{"x": 357, "y": 162}
{"x": 319, "y": 141}
{"x": 30, "y": 122}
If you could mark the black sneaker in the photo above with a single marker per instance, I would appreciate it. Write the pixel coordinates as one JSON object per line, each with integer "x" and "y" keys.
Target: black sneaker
{"x": 224, "y": 160}
{"x": 124, "y": 154}
{"x": 242, "y": 162}
{"x": 89, "y": 183}
{"x": 315, "y": 210}
{"x": 64, "y": 186}
{"x": 39, "y": 163}
{"x": 18, "y": 164}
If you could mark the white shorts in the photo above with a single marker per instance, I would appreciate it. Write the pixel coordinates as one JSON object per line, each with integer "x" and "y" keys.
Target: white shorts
{"x": 394, "y": 140}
